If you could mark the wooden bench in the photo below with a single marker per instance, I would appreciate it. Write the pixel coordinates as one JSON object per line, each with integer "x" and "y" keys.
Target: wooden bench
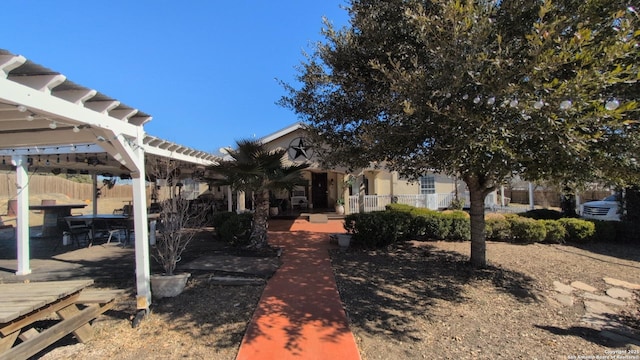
{"x": 75, "y": 320}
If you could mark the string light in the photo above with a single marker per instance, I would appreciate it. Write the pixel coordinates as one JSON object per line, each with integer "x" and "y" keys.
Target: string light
{"x": 22, "y": 108}
{"x": 53, "y": 125}
{"x": 76, "y": 129}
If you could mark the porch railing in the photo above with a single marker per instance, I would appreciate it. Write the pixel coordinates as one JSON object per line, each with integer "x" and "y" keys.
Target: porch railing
{"x": 429, "y": 201}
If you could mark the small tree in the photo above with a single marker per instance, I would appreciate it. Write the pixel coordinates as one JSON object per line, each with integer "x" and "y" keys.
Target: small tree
{"x": 178, "y": 224}
{"x": 479, "y": 89}
{"x": 256, "y": 170}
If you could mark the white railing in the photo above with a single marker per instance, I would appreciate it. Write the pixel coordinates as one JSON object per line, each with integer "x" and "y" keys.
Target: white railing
{"x": 429, "y": 201}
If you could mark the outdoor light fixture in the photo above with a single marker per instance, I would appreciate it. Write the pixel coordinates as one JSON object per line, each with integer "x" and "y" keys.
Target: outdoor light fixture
{"x": 53, "y": 125}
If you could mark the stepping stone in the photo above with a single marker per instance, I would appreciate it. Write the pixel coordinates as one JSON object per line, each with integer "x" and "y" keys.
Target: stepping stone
{"x": 604, "y": 299}
{"x": 619, "y": 338}
{"x": 318, "y": 218}
{"x": 621, "y": 283}
{"x": 618, "y": 293}
{"x": 582, "y": 286}
{"x": 597, "y": 321}
{"x": 566, "y": 300}
{"x": 596, "y": 307}
{"x": 562, "y": 288}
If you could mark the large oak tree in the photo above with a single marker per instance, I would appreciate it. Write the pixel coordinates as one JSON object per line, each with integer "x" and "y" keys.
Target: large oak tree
{"x": 478, "y": 89}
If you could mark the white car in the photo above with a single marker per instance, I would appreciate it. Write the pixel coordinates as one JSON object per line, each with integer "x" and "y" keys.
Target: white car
{"x": 605, "y": 209}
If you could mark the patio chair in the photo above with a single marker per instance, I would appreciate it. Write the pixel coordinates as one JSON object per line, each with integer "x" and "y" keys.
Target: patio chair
{"x": 78, "y": 229}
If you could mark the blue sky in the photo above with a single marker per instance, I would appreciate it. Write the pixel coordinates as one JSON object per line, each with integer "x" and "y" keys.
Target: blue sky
{"x": 205, "y": 70}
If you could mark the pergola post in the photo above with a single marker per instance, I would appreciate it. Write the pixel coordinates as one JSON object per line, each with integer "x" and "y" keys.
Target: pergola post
{"x": 143, "y": 272}
{"x": 22, "y": 221}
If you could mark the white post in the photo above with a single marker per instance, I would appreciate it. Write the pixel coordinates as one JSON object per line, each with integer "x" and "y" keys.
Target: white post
{"x": 229, "y": 199}
{"x": 502, "y": 195}
{"x": 240, "y": 198}
{"x": 143, "y": 276}
{"x": 531, "y": 200}
{"x": 94, "y": 177}
{"x": 22, "y": 216}
{"x": 577, "y": 209}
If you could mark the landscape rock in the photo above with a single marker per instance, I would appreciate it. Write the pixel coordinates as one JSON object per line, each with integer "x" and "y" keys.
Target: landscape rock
{"x": 582, "y": 286}
{"x": 597, "y": 307}
{"x": 621, "y": 283}
{"x": 562, "y": 288}
{"x": 604, "y": 299}
{"x": 618, "y": 293}
{"x": 566, "y": 300}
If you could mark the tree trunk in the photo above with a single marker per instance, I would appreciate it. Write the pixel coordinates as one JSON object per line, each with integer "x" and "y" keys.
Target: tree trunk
{"x": 477, "y": 192}
{"x": 260, "y": 221}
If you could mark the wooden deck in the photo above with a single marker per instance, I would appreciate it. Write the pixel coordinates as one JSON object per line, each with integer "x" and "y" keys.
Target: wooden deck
{"x": 23, "y": 304}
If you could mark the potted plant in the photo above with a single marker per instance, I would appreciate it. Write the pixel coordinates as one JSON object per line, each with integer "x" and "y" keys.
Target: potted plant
{"x": 274, "y": 205}
{"x": 178, "y": 224}
{"x": 340, "y": 206}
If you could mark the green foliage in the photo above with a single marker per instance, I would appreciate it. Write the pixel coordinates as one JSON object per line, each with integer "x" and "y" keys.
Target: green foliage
{"x": 606, "y": 231}
{"x": 498, "y": 229}
{"x": 457, "y": 204}
{"x": 556, "y": 233}
{"x": 526, "y": 230}
{"x": 258, "y": 170}
{"x": 234, "y": 229}
{"x": 542, "y": 214}
{"x": 479, "y": 89}
{"x": 377, "y": 229}
{"x": 578, "y": 230}
{"x": 220, "y": 217}
{"x": 460, "y": 226}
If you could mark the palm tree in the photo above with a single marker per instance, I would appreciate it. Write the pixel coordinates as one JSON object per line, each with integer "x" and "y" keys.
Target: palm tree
{"x": 254, "y": 169}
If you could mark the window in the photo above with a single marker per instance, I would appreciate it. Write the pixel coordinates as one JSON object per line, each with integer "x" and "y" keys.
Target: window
{"x": 428, "y": 184}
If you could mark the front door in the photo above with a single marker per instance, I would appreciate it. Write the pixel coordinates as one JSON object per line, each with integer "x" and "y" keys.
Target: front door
{"x": 319, "y": 190}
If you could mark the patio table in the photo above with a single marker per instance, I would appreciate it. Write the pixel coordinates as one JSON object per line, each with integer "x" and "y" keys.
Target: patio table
{"x": 53, "y": 215}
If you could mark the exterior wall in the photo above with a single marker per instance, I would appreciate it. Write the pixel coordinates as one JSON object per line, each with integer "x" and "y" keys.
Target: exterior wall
{"x": 380, "y": 182}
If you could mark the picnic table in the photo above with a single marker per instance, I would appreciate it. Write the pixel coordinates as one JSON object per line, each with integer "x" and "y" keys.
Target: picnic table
{"x": 23, "y": 304}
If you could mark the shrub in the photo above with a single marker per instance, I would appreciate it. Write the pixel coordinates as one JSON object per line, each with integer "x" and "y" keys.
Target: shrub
{"x": 555, "y": 232}
{"x": 221, "y": 217}
{"x": 379, "y": 228}
{"x": 494, "y": 216}
{"x": 526, "y": 230}
{"x": 542, "y": 214}
{"x": 236, "y": 229}
{"x": 498, "y": 229}
{"x": 460, "y": 225}
{"x": 578, "y": 230}
{"x": 606, "y": 231}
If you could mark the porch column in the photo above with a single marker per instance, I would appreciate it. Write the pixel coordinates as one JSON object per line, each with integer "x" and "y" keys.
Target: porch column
{"x": 229, "y": 199}
{"x": 531, "y": 200}
{"x": 240, "y": 200}
{"x": 22, "y": 215}
{"x": 94, "y": 178}
{"x": 502, "y": 195}
{"x": 345, "y": 194}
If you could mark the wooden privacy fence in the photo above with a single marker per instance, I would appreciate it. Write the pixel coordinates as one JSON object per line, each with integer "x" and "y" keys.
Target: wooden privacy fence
{"x": 42, "y": 184}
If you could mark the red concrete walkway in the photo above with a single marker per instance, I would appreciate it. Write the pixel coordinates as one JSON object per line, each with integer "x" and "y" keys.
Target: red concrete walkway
{"x": 300, "y": 315}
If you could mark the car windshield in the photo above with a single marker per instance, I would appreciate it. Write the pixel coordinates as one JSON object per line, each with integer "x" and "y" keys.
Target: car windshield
{"x": 611, "y": 198}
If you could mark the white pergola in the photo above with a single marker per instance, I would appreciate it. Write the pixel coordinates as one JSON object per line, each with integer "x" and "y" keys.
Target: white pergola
{"x": 52, "y": 124}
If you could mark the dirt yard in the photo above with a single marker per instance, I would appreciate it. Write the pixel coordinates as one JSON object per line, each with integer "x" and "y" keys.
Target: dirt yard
{"x": 423, "y": 300}
{"x": 413, "y": 301}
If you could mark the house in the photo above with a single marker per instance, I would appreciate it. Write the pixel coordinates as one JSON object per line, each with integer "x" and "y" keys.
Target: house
{"x": 363, "y": 190}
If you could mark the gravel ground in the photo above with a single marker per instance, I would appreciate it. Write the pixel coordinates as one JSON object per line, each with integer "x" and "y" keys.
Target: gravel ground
{"x": 423, "y": 300}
